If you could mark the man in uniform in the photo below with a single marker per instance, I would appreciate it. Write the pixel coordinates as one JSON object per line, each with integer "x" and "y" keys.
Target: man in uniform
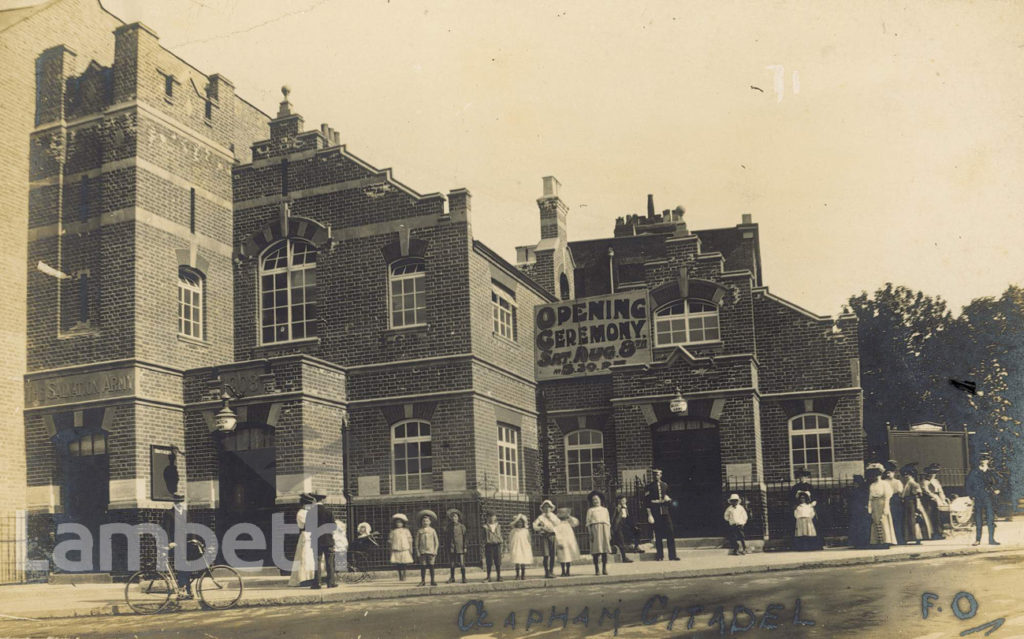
{"x": 658, "y": 513}
{"x": 172, "y": 519}
{"x": 980, "y": 486}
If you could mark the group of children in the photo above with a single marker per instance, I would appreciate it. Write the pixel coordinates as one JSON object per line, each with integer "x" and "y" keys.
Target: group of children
{"x": 554, "y": 526}
{"x": 805, "y": 535}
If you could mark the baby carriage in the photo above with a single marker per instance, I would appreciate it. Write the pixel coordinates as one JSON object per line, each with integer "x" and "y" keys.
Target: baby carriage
{"x": 959, "y": 514}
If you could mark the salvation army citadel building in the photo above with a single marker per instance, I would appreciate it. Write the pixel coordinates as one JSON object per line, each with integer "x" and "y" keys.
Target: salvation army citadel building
{"x": 190, "y": 257}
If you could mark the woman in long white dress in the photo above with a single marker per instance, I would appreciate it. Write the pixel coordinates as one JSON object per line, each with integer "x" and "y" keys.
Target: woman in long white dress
{"x": 879, "y": 493}
{"x": 599, "y": 526}
{"x": 303, "y": 565}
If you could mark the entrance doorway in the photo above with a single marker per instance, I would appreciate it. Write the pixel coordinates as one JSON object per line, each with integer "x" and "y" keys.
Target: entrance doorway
{"x": 248, "y": 484}
{"x": 689, "y": 454}
{"x": 85, "y": 486}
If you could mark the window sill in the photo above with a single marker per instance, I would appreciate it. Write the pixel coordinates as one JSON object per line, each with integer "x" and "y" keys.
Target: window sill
{"x": 84, "y": 329}
{"x": 192, "y": 340}
{"x": 292, "y": 342}
{"x": 713, "y": 344}
{"x": 507, "y": 340}
{"x": 409, "y": 328}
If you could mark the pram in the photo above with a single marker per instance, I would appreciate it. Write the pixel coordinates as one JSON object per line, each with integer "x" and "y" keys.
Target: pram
{"x": 958, "y": 516}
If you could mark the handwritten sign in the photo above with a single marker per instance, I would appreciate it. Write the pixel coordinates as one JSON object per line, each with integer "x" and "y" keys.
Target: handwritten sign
{"x": 67, "y": 389}
{"x": 587, "y": 337}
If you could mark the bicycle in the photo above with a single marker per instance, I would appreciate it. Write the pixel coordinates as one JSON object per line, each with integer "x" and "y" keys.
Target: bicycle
{"x": 218, "y": 587}
{"x": 358, "y": 560}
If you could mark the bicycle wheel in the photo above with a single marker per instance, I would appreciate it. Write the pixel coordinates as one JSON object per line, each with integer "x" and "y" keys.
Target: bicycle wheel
{"x": 220, "y": 587}
{"x": 148, "y": 592}
{"x": 353, "y": 575}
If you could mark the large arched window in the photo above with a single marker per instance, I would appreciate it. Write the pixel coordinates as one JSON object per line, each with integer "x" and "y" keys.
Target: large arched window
{"x": 686, "y": 322}
{"x": 412, "y": 462}
{"x": 288, "y": 292}
{"x": 407, "y": 297}
{"x": 190, "y": 303}
{"x": 810, "y": 444}
{"x": 584, "y": 454}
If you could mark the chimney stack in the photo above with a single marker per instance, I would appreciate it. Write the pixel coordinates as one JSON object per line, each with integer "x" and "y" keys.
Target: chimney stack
{"x": 650, "y": 206}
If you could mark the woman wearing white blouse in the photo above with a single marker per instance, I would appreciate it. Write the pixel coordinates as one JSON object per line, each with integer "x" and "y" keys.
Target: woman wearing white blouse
{"x": 599, "y": 525}
{"x": 303, "y": 566}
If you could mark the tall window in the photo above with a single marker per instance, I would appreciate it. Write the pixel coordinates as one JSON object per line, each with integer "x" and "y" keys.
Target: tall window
{"x": 686, "y": 322}
{"x": 408, "y": 298}
{"x": 584, "y": 453}
{"x": 810, "y": 444}
{"x": 503, "y": 302}
{"x": 410, "y": 446}
{"x": 508, "y": 459}
{"x": 190, "y": 303}
{"x": 288, "y": 292}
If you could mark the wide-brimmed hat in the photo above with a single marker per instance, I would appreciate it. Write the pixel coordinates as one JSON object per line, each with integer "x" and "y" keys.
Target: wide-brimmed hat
{"x": 907, "y": 469}
{"x": 891, "y": 465}
{"x": 519, "y": 517}
{"x": 318, "y": 496}
{"x": 306, "y": 498}
{"x": 875, "y": 466}
{"x": 803, "y": 493}
{"x": 931, "y": 469}
{"x": 734, "y": 497}
{"x": 364, "y": 528}
{"x": 547, "y": 502}
{"x": 177, "y": 498}
{"x": 599, "y": 494}
{"x": 399, "y": 516}
{"x": 656, "y": 470}
{"x": 454, "y": 511}
{"x": 426, "y": 512}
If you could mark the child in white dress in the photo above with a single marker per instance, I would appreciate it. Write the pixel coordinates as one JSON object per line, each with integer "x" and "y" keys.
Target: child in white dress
{"x": 520, "y": 551}
{"x": 400, "y": 541}
{"x": 566, "y": 548}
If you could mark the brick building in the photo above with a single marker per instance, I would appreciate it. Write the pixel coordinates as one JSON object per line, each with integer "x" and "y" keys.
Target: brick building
{"x": 769, "y": 387}
{"x": 189, "y": 256}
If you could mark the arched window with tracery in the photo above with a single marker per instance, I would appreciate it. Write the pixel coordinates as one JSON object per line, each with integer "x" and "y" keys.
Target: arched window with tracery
{"x": 288, "y": 292}
{"x": 686, "y": 322}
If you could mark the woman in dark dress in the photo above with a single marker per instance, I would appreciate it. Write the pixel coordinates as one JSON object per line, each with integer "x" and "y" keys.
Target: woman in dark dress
{"x": 859, "y": 531}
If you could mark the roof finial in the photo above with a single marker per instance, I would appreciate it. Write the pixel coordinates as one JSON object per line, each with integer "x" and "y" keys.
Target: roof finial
{"x": 286, "y": 107}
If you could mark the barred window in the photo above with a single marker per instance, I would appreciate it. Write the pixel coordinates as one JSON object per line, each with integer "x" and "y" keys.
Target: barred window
{"x": 508, "y": 459}
{"x": 584, "y": 453}
{"x": 288, "y": 292}
{"x": 190, "y": 303}
{"x": 503, "y": 302}
{"x": 686, "y": 322}
{"x": 412, "y": 463}
{"x": 810, "y": 444}
{"x": 407, "y": 284}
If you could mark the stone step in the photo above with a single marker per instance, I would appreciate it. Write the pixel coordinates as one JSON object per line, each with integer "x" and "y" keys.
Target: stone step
{"x": 74, "y": 578}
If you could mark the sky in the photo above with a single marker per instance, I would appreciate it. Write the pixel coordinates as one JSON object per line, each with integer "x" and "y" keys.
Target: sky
{"x": 872, "y": 142}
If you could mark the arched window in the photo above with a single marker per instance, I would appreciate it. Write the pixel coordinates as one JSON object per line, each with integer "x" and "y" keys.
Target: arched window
{"x": 686, "y": 322}
{"x": 411, "y": 457}
{"x": 288, "y": 292}
{"x": 563, "y": 287}
{"x": 407, "y": 285}
{"x": 190, "y": 303}
{"x": 810, "y": 444}
{"x": 584, "y": 454}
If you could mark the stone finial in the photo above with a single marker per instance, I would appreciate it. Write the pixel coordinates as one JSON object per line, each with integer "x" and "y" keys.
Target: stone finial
{"x": 286, "y": 107}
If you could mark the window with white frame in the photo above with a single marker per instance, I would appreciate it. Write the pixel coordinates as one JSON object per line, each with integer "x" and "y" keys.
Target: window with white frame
{"x": 584, "y": 454}
{"x": 810, "y": 444}
{"x": 503, "y": 302}
{"x": 190, "y": 303}
{"x": 288, "y": 292}
{"x": 508, "y": 458}
{"x": 686, "y": 322}
{"x": 407, "y": 284}
{"x": 412, "y": 463}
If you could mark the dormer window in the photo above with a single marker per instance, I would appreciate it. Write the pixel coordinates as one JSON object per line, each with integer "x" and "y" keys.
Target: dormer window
{"x": 686, "y": 322}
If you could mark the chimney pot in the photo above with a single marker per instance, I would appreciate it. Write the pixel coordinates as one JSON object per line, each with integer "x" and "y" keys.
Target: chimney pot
{"x": 551, "y": 186}
{"x": 747, "y": 218}
{"x": 650, "y": 206}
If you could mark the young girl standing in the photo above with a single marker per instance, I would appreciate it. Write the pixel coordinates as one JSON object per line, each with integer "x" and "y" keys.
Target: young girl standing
{"x": 599, "y": 526}
{"x": 519, "y": 546}
{"x": 566, "y": 548}
{"x": 400, "y": 541}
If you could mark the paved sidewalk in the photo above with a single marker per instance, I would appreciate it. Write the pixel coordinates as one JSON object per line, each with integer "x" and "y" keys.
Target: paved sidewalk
{"x": 36, "y": 601}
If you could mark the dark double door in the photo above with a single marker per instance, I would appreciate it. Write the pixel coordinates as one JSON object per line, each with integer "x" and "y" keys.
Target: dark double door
{"x": 248, "y": 491}
{"x": 689, "y": 454}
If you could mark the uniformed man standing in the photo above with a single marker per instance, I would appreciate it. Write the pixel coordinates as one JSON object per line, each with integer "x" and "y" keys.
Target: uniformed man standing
{"x": 980, "y": 486}
{"x": 659, "y": 513}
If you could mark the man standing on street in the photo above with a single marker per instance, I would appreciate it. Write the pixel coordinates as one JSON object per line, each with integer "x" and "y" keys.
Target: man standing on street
{"x": 659, "y": 513}
{"x": 980, "y": 486}
{"x": 321, "y": 528}
{"x": 177, "y": 553}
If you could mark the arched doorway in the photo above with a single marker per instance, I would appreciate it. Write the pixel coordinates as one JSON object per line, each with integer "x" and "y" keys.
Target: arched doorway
{"x": 85, "y": 484}
{"x": 688, "y": 452}
{"x": 248, "y": 483}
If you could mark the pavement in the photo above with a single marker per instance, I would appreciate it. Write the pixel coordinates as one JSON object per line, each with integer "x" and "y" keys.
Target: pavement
{"x": 42, "y": 601}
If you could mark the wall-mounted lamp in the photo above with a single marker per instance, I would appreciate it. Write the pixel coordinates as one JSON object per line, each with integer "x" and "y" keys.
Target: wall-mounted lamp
{"x": 678, "y": 404}
{"x": 225, "y": 420}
